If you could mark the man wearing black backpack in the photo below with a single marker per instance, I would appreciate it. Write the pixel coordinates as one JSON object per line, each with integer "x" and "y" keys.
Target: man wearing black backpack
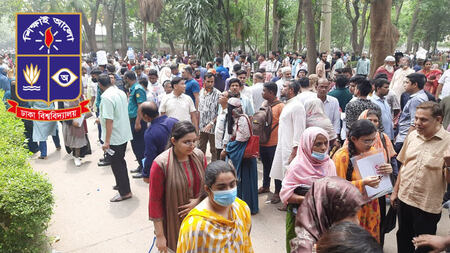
{"x": 265, "y": 124}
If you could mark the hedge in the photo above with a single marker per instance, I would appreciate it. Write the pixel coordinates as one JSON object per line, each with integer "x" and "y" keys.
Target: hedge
{"x": 26, "y": 199}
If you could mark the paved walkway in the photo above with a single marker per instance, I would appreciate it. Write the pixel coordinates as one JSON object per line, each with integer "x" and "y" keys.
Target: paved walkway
{"x": 85, "y": 221}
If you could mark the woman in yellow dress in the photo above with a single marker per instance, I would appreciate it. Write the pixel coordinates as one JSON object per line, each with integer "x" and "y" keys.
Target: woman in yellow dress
{"x": 361, "y": 138}
{"x": 221, "y": 221}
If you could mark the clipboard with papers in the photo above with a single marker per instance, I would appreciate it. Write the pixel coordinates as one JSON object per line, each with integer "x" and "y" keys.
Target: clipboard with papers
{"x": 366, "y": 164}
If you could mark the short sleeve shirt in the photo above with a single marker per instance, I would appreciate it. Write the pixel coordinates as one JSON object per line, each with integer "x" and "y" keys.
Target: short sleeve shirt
{"x": 192, "y": 87}
{"x": 179, "y": 107}
{"x": 422, "y": 177}
{"x": 113, "y": 106}
{"x": 408, "y": 114}
{"x": 137, "y": 96}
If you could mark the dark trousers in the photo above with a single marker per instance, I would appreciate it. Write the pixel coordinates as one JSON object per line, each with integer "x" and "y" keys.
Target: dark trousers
{"x": 413, "y": 222}
{"x": 447, "y": 194}
{"x": 119, "y": 168}
{"x": 138, "y": 143}
{"x": 218, "y": 151}
{"x": 99, "y": 128}
{"x": 267, "y": 154}
{"x": 203, "y": 142}
{"x": 382, "y": 203}
{"x": 397, "y": 147}
{"x": 32, "y": 146}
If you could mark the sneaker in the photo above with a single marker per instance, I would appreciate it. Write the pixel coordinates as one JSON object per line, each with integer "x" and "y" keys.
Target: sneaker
{"x": 446, "y": 205}
{"x": 137, "y": 170}
{"x": 77, "y": 161}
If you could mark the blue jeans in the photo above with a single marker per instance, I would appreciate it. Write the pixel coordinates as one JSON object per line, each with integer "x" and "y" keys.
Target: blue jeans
{"x": 43, "y": 144}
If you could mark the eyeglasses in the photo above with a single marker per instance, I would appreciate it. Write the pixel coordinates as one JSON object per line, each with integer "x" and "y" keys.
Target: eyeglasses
{"x": 190, "y": 143}
{"x": 368, "y": 142}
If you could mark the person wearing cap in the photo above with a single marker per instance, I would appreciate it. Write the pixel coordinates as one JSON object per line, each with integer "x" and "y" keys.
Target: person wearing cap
{"x": 387, "y": 68}
{"x": 286, "y": 75}
{"x": 363, "y": 65}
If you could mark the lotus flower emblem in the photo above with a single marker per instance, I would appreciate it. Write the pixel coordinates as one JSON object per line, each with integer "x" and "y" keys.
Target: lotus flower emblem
{"x": 31, "y": 74}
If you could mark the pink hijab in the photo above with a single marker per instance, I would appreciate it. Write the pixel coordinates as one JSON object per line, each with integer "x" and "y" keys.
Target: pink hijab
{"x": 305, "y": 169}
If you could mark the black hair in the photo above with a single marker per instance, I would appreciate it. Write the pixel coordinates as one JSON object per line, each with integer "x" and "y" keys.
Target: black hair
{"x": 347, "y": 70}
{"x": 294, "y": 85}
{"x": 189, "y": 69}
{"x": 130, "y": 75}
{"x": 229, "y": 118}
{"x": 364, "y": 87}
{"x": 347, "y": 237}
{"x": 104, "y": 80}
{"x": 219, "y": 60}
{"x": 123, "y": 70}
{"x": 241, "y": 72}
{"x": 304, "y": 82}
{"x": 236, "y": 67}
{"x": 359, "y": 128}
{"x": 180, "y": 129}
{"x": 381, "y": 75}
{"x": 302, "y": 70}
{"x": 417, "y": 78}
{"x": 209, "y": 75}
{"x": 216, "y": 168}
{"x": 153, "y": 72}
{"x": 111, "y": 68}
{"x": 173, "y": 66}
{"x": 175, "y": 80}
{"x": 357, "y": 78}
{"x": 341, "y": 81}
{"x": 338, "y": 54}
{"x": 143, "y": 82}
{"x": 234, "y": 80}
{"x": 138, "y": 67}
{"x": 261, "y": 70}
{"x": 263, "y": 55}
{"x": 322, "y": 53}
{"x": 272, "y": 87}
{"x": 166, "y": 82}
{"x": 379, "y": 82}
{"x": 96, "y": 71}
{"x": 150, "y": 109}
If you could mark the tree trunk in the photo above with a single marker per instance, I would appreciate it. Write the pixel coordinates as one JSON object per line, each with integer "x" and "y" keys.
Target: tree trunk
{"x": 354, "y": 22}
{"x": 242, "y": 44}
{"x": 227, "y": 23}
{"x": 89, "y": 28}
{"x": 310, "y": 36}
{"x": 364, "y": 28}
{"x": 298, "y": 26}
{"x": 109, "y": 15}
{"x": 383, "y": 34}
{"x": 412, "y": 27}
{"x": 398, "y": 9}
{"x": 266, "y": 28}
{"x": 325, "y": 27}
{"x": 123, "y": 41}
{"x": 276, "y": 26}
{"x": 415, "y": 47}
{"x": 172, "y": 47}
{"x": 144, "y": 37}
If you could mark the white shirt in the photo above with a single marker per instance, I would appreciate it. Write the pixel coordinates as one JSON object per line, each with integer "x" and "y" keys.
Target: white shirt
{"x": 445, "y": 81}
{"x": 306, "y": 95}
{"x": 332, "y": 110}
{"x": 154, "y": 91}
{"x": 398, "y": 80}
{"x": 179, "y": 107}
{"x": 247, "y": 92}
{"x": 227, "y": 62}
{"x": 292, "y": 123}
{"x": 219, "y": 131}
{"x": 280, "y": 84}
{"x": 257, "y": 90}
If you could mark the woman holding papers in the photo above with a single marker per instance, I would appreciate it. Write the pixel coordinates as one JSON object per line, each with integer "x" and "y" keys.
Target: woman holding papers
{"x": 361, "y": 138}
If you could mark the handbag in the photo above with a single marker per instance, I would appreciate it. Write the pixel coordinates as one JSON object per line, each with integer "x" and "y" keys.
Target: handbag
{"x": 252, "y": 148}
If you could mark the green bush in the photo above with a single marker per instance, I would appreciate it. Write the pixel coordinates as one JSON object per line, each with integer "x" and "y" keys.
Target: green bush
{"x": 26, "y": 199}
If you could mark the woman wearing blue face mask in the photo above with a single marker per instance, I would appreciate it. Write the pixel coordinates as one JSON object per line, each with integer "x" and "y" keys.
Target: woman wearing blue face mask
{"x": 221, "y": 220}
{"x": 311, "y": 163}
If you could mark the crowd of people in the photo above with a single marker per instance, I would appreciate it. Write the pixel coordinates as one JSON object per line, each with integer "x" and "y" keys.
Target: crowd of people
{"x": 198, "y": 133}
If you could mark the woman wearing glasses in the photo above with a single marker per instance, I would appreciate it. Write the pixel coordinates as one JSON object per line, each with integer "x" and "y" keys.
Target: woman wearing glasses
{"x": 176, "y": 181}
{"x": 361, "y": 138}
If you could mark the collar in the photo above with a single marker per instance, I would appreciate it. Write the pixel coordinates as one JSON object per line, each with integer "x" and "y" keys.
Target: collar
{"x": 158, "y": 119}
{"x": 417, "y": 93}
{"x": 376, "y": 97}
{"x": 440, "y": 134}
{"x": 175, "y": 96}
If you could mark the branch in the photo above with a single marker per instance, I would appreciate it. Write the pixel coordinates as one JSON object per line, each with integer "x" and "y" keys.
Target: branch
{"x": 94, "y": 13}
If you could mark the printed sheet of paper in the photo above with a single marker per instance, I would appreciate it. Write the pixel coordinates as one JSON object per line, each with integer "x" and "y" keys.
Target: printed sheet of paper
{"x": 367, "y": 168}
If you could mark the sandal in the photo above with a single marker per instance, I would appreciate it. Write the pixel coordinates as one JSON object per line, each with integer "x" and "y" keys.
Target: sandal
{"x": 119, "y": 198}
{"x": 262, "y": 190}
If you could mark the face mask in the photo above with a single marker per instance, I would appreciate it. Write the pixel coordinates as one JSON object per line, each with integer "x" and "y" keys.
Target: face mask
{"x": 94, "y": 79}
{"x": 318, "y": 155}
{"x": 225, "y": 198}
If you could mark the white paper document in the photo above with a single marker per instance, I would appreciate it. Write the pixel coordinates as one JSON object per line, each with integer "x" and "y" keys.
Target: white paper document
{"x": 367, "y": 167}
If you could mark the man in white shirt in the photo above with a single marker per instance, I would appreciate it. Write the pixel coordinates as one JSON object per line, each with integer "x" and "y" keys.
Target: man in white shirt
{"x": 331, "y": 104}
{"x": 286, "y": 75}
{"x": 398, "y": 80}
{"x": 307, "y": 90}
{"x": 273, "y": 64}
{"x": 179, "y": 105}
{"x": 292, "y": 123}
{"x": 257, "y": 89}
{"x": 444, "y": 85}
